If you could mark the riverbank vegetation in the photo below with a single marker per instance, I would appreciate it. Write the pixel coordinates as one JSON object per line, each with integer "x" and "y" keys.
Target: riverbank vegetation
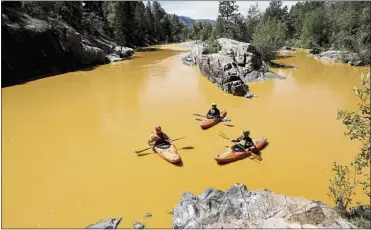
{"x": 313, "y": 25}
{"x": 346, "y": 178}
{"x": 130, "y": 23}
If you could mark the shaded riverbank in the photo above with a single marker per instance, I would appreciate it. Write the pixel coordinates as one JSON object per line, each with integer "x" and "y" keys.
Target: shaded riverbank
{"x": 63, "y": 134}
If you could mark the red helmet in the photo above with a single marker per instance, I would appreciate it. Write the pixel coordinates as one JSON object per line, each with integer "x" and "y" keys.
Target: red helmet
{"x": 158, "y": 128}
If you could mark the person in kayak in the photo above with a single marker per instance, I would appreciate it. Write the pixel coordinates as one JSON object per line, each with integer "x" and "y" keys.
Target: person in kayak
{"x": 158, "y": 137}
{"x": 213, "y": 112}
{"x": 246, "y": 140}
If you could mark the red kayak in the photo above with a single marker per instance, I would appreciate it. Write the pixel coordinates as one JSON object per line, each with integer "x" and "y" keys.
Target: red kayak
{"x": 208, "y": 123}
{"x": 236, "y": 152}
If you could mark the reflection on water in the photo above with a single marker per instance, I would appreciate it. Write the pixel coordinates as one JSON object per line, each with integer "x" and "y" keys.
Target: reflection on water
{"x": 69, "y": 141}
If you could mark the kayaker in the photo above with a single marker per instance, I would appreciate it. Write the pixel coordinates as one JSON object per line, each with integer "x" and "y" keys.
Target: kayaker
{"x": 246, "y": 140}
{"x": 213, "y": 112}
{"x": 158, "y": 137}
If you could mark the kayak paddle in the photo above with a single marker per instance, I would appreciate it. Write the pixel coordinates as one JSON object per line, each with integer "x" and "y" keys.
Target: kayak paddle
{"x": 139, "y": 151}
{"x": 225, "y": 137}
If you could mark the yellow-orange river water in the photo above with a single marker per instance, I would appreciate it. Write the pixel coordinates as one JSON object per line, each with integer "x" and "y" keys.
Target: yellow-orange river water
{"x": 68, "y": 141}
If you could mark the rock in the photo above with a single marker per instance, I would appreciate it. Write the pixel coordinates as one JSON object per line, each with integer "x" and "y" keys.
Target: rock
{"x": 339, "y": 56}
{"x": 137, "y": 225}
{"x": 286, "y": 49}
{"x": 108, "y": 224}
{"x": 356, "y": 63}
{"x": 362, "y": 211}
{"x": 234, "y": 65}
{"x": 240, "y": 208}
{"x": 114, "y": 58}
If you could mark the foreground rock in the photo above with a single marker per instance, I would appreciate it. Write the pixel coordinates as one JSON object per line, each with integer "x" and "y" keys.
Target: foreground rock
{"x": 234, "y": 65}
{"x": 338, "y": 56}
{"x": 34, "y": 48}
{"x": 108, "y": 224}
{"x": 241, "y": 208}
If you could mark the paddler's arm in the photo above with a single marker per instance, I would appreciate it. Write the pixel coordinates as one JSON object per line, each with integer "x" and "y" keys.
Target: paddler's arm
{"x": 167, "y": 138}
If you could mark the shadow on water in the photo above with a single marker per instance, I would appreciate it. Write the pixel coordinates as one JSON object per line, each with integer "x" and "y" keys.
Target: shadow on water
{"x": 180, "y": 163}
{"x": 187, "y": 148}
{"x": 283, "y": 56}
{"x": 280, "y": 66}
{"x": 37, "y": 75}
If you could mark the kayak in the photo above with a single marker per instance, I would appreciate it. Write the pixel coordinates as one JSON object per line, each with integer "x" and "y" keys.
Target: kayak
{"x": 168, "y": 152}
{"x": 237, "y": 152}
{"x": 208, "y": 123}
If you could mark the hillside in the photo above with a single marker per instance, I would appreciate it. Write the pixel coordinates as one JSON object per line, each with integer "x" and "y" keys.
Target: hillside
{"x": 190, "y": 21}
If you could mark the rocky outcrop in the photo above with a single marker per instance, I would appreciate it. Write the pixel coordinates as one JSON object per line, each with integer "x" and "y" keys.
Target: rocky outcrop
{"x": 240, "y": 208}
{"x": 338, "y": 56}
{"x": 33, "y": 48}
{"x": 234, "y": 65}
{"x": 108, "y": 224}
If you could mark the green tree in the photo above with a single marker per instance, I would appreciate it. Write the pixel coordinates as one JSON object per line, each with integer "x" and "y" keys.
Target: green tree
{"x": 275, "y": 11}
{"x": 224, "y": 23}
{"x": 252, "y": 19}
{"x": 315, "y": 30}
{"x": 269, "y": 36}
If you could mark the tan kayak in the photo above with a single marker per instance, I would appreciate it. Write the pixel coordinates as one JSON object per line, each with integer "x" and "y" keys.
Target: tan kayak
{"x": 168, "y": 152}
{"x": 165, "y": 150}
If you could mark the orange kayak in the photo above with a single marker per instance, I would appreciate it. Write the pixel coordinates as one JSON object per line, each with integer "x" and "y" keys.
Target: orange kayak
{"x": 208, "y": 123}
{"x": 236, "y": 152}
{"x": 168, "y": 152}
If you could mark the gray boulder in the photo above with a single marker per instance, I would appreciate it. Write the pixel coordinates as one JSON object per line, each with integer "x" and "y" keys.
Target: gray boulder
{"x": 236, "y": 64}
{"x": 108, "y": 224}
{"x": 137, "y": 225}
{"x": 240, "y": 208}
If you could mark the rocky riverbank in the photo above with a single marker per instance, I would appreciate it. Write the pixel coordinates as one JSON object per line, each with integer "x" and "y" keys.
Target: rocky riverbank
{"x": 239, "y": 207}
{"x": 36, "y": 48}
{"x": 346, "y": 57}
{"x": 236, "y": 64}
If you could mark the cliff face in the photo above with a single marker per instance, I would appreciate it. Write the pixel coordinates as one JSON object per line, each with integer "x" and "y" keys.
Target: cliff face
{"x": 241, "y": 208}
{"x": 33, "y": 48}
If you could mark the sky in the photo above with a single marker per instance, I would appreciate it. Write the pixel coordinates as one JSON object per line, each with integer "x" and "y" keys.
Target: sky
{"x": 209, "y": 9}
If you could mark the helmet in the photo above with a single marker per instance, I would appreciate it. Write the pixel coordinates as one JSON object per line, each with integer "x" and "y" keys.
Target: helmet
{"x": 213, "y": 104}
{"x": 158, "y": 128}
{"x": 246, "y": 131}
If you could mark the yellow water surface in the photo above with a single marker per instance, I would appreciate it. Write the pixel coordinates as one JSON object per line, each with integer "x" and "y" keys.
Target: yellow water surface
{"x": 68, "y": 141}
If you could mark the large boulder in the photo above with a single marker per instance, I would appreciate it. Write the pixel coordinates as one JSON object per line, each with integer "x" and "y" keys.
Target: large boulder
{"x": 240, "y": 208}
{"x": 234, "y": 65}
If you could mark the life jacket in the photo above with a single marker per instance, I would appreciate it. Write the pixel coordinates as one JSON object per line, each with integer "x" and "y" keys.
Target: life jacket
{"x": 155, "y": 137}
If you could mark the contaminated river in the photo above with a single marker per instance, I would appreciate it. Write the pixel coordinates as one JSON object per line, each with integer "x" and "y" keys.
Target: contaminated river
{"x": 69, "y": 141}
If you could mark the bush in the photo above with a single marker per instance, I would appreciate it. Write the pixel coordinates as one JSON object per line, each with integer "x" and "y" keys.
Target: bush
{"x": 211, "y": 46}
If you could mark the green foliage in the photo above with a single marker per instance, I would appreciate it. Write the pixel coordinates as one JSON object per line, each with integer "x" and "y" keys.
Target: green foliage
{"x": 269, "y": 36}
{"x": 358, "y": 125}
{"x": 201, "y": 30}
{"x": 252, "y": 19}
{"x": 228, "y": 10}
{"x": 315, "y": 30}
{"x": 130, "y": 23}
{"x": 342, "y": 186}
